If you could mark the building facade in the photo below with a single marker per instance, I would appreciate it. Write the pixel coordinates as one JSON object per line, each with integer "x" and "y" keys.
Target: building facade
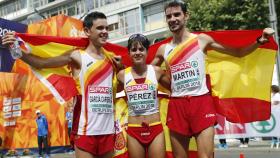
{"x": 125, "y": 17}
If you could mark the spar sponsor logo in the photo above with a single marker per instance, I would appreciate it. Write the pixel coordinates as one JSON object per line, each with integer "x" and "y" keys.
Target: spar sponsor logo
{"x": 139, "y": 87}
{"x": 101, "y": 90}
{"x": 184, "y": 66}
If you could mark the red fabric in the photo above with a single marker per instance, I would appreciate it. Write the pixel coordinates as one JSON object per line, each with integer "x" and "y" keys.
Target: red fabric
{"x": 119, "y": 50}
{"x": 61, "y": 82}
{"x": 72, "y": 139}
{"x": 76, "y": 114}
{"x": 193, "y": 154}
{"x": 243, "y": 110}
{"x": 42, "y": 39}
{"x": 221, "y": 36}
{"x": 145, "y": 135}
{"x": 140, "y": 80}
{"x": 240, "y": 38}
{"x": 190, "y": 115}
{"x": 96, "y": 145}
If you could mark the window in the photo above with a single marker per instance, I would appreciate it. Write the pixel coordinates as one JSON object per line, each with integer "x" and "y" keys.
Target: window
{"x": 154, "y": 16}
{"x": 109, "y": 1}
{"x": 12, "y": 7}
{"x": 69, "y": 9}
{"x": 38, "y": 3}
{"x": 96, "y": 3}
{"x": 130, "y": 22}
{"x": 100, "y": 3}
{"x": 22, "y": 4}
{"x": 124, "y": 23}
{"x": 113, "y": 27}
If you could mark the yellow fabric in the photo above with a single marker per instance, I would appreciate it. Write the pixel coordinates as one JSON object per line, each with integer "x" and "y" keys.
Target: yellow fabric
{"x": 247, "y": 77}
{"x": 51, "y": 50}
{"x": 139, "y": 125}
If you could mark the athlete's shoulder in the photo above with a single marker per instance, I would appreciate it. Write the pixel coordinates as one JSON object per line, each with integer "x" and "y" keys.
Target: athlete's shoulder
{"x": 156, "y": 68}
{"x": 76, "y": 53}
{"x": 161, "y": 48}
{"x": 121, "y": 71}
{"x": 202, "y": 37}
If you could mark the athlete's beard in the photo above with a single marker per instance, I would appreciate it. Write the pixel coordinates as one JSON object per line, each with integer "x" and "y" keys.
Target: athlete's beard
{"x": 177, "y": 30}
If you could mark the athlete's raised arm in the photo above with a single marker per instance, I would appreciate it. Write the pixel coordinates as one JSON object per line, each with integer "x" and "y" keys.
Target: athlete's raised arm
{"x": 207, "y": 42}
{"x": 38, "y": 62}
{"x": 159, "y": 58}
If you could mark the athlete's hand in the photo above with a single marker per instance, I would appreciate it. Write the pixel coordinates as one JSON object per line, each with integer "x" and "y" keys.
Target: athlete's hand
{"x": 267, "y": 33}
{"x": 118, "y": 62}
{"x": 8, "y": 39}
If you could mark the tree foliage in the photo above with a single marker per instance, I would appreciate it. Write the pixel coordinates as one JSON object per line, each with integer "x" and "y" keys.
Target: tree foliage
{"x": 228, "y": 14}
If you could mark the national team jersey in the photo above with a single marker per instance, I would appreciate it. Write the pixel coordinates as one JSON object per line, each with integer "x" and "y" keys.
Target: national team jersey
{"x": 96, "y": 82}
{"x": 141, "y": 98}
{"x": 187, "y": 65}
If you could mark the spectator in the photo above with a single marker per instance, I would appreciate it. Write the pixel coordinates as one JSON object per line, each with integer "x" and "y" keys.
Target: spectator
{"x": 275, "y": 101}
{"x": 1, "y": 154}
{"x": 244, "y": 142}
{"x": 223, "y": 144}
{"x": 69, "y": 119}
{"x": 42, "y": 125}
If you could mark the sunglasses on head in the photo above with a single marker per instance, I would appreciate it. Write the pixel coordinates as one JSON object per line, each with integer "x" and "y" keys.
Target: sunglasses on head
{"x": 138, "y": 35}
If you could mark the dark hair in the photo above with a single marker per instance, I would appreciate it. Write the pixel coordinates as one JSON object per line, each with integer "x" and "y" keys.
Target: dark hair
{"x": 88, "y": 21}
{"x": 182, "y": 5}
{"x": 138, "y": 38}
{"x": 274, "y": 89}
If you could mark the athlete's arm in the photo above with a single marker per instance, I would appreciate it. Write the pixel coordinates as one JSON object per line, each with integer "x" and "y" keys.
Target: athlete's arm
{"x": 207, "y": 42}
{"x": 120, "y": 77}
{"x": 53, "y": 62}
{"x": 162, "y": 77}
{"x": 159, "y": 59}
{"x": 37, "y": 61}
{"x": 117, "y": 60}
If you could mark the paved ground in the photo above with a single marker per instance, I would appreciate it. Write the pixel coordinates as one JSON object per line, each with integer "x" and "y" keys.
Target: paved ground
{"x": 256, "y": 149}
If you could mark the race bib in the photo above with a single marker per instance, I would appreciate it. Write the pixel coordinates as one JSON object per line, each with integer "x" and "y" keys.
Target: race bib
{"x": 100, "y": 99}
{"x": 141, "y": 97}
{"x": 185, "y": 76}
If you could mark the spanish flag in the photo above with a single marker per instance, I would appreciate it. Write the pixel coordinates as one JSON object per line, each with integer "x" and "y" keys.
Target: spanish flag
{"x": 59, "y": 80}
{"x": 240, "y": 86}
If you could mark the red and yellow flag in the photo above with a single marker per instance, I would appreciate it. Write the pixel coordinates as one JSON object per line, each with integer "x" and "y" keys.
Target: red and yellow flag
{"x": 240, "y": 86}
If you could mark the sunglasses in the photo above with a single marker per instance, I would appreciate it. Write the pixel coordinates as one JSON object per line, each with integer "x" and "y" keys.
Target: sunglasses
{"x": 138, "y": 35}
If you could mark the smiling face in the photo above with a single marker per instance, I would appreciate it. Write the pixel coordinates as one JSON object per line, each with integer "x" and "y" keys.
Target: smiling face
{"x": 138, "y": 53}
{"x": 175, "y": 18}
{"x": 98, "y": 33}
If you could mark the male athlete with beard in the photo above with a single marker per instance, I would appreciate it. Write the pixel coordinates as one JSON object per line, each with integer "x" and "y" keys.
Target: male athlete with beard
{"x": 191, "y": 111}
